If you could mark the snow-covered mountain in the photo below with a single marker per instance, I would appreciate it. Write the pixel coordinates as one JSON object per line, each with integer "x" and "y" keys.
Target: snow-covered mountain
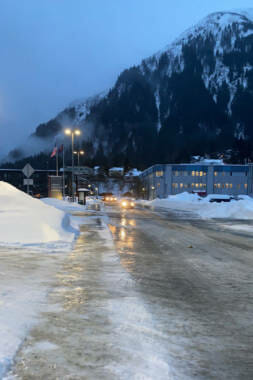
{"x": 193, "y": 97}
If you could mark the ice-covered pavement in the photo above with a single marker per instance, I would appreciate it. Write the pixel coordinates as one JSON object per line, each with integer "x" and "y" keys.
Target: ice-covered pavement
{"x": 169, "y": 298}
{"x": 25, "y": 279}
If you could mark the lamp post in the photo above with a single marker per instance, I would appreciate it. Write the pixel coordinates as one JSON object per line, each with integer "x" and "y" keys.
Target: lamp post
{"x": 72, "y": 133}
{"x": 78, "y": 156}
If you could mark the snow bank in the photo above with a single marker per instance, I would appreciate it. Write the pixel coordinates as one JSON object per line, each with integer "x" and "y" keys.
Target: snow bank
{"x": 63, "y": 205}
{"x": 25, "y": 220}
{"x": 242, "y": 209}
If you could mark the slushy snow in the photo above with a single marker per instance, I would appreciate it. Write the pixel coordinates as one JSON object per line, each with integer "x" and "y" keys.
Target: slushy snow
{"x": 28, "y": 221}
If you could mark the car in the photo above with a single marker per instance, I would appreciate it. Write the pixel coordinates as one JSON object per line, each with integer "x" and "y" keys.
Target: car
{"x": 127, "y": 203}
{"x": 110, "y": 198}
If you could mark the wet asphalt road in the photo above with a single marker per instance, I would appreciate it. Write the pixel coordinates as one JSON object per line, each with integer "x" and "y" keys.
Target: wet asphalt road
{"x": 171, "y": 299}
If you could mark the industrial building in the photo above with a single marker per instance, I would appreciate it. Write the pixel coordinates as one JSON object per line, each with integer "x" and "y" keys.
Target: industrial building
{"x": 206, "y": 177}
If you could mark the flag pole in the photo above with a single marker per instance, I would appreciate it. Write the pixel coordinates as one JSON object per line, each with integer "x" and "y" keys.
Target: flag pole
{"x": 63, "y": 174}
{"x": 57, "y": 163}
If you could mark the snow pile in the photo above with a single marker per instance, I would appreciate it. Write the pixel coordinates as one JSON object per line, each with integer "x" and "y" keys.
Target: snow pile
{"x": 64, "y": 205}
{"x": 25, "y": 220}
{"x": 241, "y": 209}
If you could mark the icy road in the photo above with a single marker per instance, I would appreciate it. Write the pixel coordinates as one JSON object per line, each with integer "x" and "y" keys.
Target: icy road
{"x": 170, "y": 297}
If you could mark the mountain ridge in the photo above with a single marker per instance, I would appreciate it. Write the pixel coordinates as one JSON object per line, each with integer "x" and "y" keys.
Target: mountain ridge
{"x": 194, "y": 95}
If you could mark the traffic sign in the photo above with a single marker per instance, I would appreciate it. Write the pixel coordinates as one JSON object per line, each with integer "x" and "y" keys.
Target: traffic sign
{"x": 28, "y": 181}
{"x": 28, "y": 170}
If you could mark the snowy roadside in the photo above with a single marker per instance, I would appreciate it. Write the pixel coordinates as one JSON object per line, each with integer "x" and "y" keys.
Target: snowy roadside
{"x": 202, "y": 207}
{"x": 35, "y": 239}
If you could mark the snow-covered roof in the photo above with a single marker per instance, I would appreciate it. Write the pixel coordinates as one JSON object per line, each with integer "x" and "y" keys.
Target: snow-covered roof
{"x": 209, "y": 161}
{"x": 133, "y": 173}
{"x": 116, "y": 169}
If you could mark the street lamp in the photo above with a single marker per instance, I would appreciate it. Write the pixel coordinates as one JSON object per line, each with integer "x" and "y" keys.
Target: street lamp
{"x": 78, "y": 155}
{"x": 72, "y": 133}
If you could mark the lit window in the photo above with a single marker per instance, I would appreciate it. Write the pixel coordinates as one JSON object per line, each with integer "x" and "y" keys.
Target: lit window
{"x": 231, "y": 185}
{"x": 204, "y": 173}
{"x": 193, "y": 184}
{"x": 197, "y": 185}
{"x": 245, "y": 185}
{"x": 197, "y": 174}
{"x": 200, "y": 185}
{"x": 193, "y": 173}
{"x": 227, "y": 185}
{"x": 201, "y": 174}
{"x": 159, "y": 173}
{"x": 181, "y": 185}
{"x": 215, "y": 185}
{"x": 223, "y": 173}
{"x": 218, "y": 185}
{"x": 223, "y": 185}
{"x": 215, "y": 173}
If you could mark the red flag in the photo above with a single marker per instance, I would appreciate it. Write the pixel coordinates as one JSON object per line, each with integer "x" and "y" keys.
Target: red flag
{"x": 54, "y": 152}
{"x": 60, "y": 149}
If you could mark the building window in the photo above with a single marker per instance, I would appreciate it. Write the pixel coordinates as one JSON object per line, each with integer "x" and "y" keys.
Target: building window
{"x": 175, "y": 185}
{"x": 197, "y": 185}
{"x": 193, "y": 173}
{"x": 245, "y": 186}
{"x": 201, "y": 174}
{"x": 159, "y": 173}
{"x": 215, "y": 173}
{"x": 218, "y": 185}
{"x": 197, "y": 174}
{"x": 231, "y": 185}
{"x": 204, "y": 173}
{"x": 181, "y": 185}
{"x": 227, "y": 185}
{"x": 193, "y": 184}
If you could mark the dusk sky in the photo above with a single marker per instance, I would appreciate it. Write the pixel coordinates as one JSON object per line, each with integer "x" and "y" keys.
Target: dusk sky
{"x": 56, "y": 51}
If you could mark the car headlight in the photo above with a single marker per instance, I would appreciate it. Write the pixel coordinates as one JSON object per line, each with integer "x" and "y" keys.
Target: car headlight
{"x": 132, "y": 204}
{"x": 124, "y": 203}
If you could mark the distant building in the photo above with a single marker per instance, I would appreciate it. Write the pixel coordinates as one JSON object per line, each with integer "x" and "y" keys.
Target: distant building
{"x": 206, "y": 177}
{"x": 116, "y": 172}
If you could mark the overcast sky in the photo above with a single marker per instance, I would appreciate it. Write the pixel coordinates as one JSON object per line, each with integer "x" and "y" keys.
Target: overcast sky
{"x": 55, "y": 51}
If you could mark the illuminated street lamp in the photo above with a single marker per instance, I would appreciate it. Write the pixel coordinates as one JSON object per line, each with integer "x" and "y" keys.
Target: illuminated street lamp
{"x": 72, "y": 133}
{"x": 78, "y": 155}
